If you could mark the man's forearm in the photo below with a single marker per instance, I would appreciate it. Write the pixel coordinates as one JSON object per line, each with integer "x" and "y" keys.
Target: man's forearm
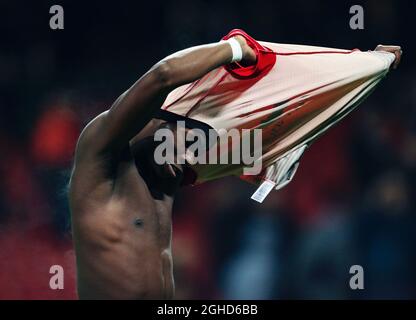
{"x": 146, "y": 96}
{"x": 191, "y": 64}
{"x": 138, "y": 105}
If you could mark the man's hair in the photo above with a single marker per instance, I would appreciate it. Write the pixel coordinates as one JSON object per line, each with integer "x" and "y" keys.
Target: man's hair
{"x": 189, "y": 124}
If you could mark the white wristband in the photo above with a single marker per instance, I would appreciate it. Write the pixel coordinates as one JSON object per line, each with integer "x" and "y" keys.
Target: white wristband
{"x": 236, "y": 49}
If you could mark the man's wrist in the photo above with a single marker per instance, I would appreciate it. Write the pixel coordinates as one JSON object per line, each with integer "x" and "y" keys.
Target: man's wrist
{"x": 236, "y": 49}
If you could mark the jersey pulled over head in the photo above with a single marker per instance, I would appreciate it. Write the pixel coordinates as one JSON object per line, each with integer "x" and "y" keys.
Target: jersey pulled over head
{"x": 293, "y": 94}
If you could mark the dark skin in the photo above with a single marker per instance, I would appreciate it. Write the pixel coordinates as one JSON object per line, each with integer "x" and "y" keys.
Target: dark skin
{"x": 120, "y": 200}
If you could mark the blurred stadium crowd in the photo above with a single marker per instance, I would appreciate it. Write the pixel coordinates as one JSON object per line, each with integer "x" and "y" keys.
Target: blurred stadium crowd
{"x": 352, "y": 200}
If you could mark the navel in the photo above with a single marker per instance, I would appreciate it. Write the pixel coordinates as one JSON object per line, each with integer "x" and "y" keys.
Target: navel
{"x": 138, "y": 222}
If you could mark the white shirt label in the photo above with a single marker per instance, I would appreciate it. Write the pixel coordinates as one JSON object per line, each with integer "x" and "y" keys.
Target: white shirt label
{"x": 263, "y": 190}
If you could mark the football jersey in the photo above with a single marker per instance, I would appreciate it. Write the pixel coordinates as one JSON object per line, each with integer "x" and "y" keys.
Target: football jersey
{"x": 300, "y": 94}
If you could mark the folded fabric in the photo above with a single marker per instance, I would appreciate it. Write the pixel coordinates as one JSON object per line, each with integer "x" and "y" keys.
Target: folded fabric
{"x": 294, "y": 94}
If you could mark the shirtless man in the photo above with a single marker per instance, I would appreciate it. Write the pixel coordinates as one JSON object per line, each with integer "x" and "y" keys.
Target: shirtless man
{"x": 120, "y": 200}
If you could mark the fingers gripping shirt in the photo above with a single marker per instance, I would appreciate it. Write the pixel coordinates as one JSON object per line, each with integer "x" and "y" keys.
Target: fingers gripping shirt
{"x": 299, "y": 96}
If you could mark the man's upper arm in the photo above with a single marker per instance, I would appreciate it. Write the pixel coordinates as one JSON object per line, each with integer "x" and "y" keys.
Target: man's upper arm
{"x": 129, "y": 114}
{"x": 112, "y": 130}
{"x": 133, "y": 110}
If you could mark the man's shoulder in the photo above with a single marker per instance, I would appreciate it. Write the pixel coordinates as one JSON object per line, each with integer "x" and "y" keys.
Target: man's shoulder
{"x": 87, "y": 140}
{"x": 90, "y": 162}
{"x": 91, "y": 173}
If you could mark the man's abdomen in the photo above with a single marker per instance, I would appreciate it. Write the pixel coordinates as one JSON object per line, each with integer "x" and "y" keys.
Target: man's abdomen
{"x": 123, "y": 262}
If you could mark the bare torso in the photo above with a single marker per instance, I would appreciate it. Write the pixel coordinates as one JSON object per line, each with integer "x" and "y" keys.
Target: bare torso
{"x": 120, "y": 201}
{"x": 122, "y": 232}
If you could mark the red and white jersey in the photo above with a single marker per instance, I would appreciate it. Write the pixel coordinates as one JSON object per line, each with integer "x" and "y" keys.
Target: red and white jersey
{"x": 302, "y": 93}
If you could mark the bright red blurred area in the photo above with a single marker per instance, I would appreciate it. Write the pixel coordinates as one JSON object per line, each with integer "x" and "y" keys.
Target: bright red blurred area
{"x": 55, "y": 136}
